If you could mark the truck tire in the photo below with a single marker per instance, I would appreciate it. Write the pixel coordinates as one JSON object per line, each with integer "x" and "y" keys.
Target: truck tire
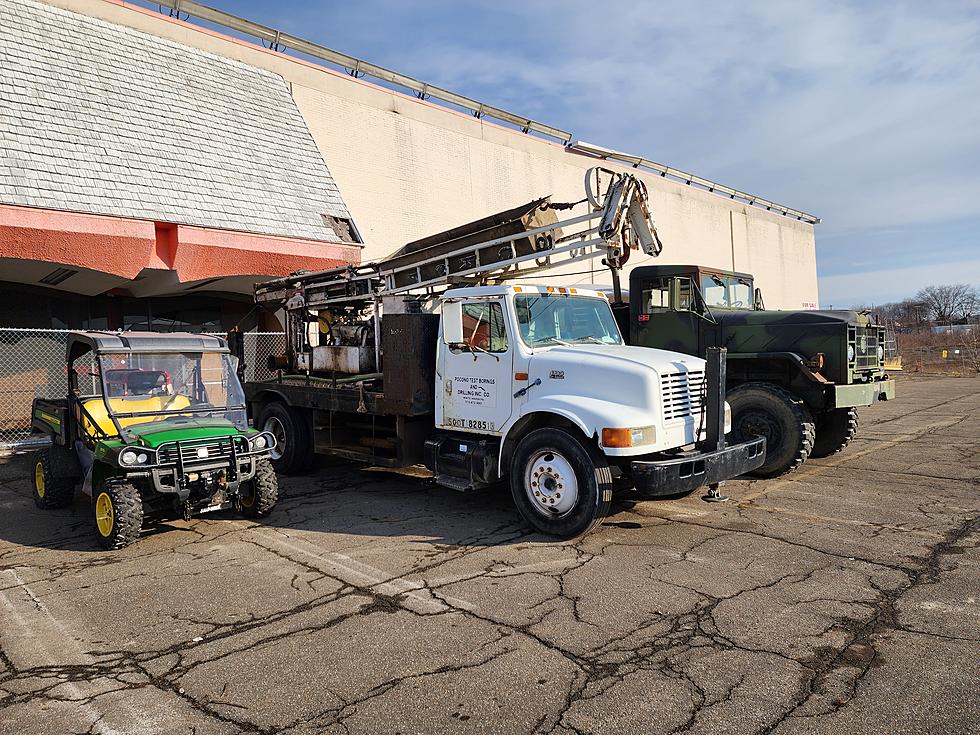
{"x": 50, "y": 491}
{"x": 560, "y": 485}
{"x": 835, "y": 429}
{"x": 117, "y": 512}
{"x": 293, "y": 453}
{"x": 258, "y": 496}
{"x": 766, "y": 409}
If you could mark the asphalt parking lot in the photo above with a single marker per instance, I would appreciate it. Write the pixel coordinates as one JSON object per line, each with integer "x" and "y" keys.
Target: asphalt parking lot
{"x": 842, "y": 599}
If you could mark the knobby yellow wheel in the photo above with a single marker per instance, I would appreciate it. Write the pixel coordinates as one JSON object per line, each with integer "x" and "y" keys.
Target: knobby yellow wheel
{"x": 50, "y": 490}
{"x": 117, "y": 512}
{"x": 39, "y": 479}
{"x": 258, "y": 496}
{"x": 104, "y": 520}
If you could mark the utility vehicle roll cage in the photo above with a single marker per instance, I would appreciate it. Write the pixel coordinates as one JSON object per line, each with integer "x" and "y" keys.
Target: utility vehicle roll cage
{"x": 123, "y": 343}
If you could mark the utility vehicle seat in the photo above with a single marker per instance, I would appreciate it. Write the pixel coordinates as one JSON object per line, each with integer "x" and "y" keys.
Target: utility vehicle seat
{"x": 97, "y": 410}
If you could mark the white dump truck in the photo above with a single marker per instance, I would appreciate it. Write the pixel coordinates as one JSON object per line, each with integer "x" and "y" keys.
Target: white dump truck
{"x": 447, "y": 354}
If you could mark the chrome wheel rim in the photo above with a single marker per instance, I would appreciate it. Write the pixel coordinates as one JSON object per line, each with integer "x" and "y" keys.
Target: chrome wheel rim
{"x": 274, "y": 426}
{"x": 551, "y": 484}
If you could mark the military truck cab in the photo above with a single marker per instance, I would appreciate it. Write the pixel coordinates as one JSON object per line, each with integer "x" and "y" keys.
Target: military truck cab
{"x": 795, "y": 377}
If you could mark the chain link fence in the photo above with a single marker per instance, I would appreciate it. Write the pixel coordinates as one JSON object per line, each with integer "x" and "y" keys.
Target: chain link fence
{"x": 949, "y": 360}
{"x": 32, "y": 365}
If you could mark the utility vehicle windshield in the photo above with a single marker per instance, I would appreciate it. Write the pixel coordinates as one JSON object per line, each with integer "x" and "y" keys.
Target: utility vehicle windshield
{"x": 179, "y": 383}
{"x": 550, "y": 319}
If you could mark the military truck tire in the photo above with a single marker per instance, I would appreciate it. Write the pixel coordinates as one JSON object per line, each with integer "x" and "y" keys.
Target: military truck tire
{"x": 560, "y": 485}
{"x": 769, "y": 410}
{"x": 49, "y": 491}
{"x": 259, "y": 495}
{"x": 117, "y": 512}
{"x": 835, "y": 429}
{"x": 294, "y": 444}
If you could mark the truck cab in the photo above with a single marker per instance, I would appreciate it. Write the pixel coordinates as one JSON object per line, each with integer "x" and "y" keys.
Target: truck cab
{"x": 795, "y": 377}
{"x": 446, "y": 354}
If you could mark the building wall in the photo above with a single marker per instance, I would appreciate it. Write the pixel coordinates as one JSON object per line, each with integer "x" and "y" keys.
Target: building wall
{"x": 408, "y": 168}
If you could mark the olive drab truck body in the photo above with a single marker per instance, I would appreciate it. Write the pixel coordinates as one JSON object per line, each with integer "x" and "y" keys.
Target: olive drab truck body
{"x": 796, "y": 377}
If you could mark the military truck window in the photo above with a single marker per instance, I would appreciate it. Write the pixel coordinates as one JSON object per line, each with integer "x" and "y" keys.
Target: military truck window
{"x": 714, "y": 289}
{"x": 550, "y": 319}
{"x": 726, "y": 291}
{"x": 483, "y": 326}
{"x": 656, "y": 295}
{"x": 740, "y": 293}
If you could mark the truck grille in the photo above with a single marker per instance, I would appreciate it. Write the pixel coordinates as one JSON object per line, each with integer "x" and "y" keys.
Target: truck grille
{"x": 189, "y": 451}
{"x": 683, "y": 393}
{"x": 866, "y": 341}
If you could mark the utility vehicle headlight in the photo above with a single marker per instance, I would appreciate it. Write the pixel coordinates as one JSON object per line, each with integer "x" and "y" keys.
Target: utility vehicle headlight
{"x": 132, "y": 457}
{"x": 850, "y": 353}
{"x": 259, "y": 442}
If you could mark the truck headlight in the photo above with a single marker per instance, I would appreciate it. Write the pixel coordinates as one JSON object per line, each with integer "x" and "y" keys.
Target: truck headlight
{"x": 616, "y": 438}
{"x": 728, "y": 417}
{"x": 850, "y": 353}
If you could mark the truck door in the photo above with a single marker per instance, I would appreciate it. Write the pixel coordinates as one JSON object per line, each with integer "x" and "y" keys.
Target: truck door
{"x": 476, "y": 390}
{"x": 663, "y": 315}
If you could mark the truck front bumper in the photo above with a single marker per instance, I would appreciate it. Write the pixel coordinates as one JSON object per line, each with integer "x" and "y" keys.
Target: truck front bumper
{"x": 863, "y": 394}
{"x": 691, "y": 471}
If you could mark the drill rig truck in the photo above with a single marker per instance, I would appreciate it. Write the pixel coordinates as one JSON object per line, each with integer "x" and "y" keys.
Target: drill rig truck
{"x": 442, "y": 355}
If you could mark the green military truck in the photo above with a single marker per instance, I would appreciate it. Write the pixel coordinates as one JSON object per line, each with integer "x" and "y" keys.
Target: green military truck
{"x": 795, "y": 377}
{"x": 153, "y": 427}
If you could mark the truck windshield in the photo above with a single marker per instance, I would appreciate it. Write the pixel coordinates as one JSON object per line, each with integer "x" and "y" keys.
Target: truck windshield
{"x": 560, "y": 319}
{"x": 726, "y": 291}
{"x": 179, "y": 383}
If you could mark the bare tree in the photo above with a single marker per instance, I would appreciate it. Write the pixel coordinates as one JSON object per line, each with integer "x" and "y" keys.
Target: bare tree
{"x": 946, "y": 303}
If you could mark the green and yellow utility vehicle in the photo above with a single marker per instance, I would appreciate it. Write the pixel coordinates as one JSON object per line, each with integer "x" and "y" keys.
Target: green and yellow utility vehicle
{"x": 153, "y": 428}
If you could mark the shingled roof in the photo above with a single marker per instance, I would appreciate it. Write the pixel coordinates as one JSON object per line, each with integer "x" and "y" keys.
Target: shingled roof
{"x": 103, "y": 119}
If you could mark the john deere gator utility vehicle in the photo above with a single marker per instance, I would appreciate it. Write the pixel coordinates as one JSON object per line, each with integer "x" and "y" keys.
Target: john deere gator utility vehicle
{"x": 795, "y": 377}
{"x": 153, "y": 428}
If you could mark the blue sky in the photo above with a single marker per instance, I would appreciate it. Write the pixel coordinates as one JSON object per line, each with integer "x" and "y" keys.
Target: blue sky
{"x": 865, "y": 114}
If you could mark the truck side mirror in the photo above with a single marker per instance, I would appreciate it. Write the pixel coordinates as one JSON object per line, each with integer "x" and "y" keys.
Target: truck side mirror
{"x": 452, "y": 322}
{"x": 758, "y": 302}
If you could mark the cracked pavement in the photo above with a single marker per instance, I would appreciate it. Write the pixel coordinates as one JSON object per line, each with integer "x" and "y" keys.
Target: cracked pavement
{"x": 840, "y": 599}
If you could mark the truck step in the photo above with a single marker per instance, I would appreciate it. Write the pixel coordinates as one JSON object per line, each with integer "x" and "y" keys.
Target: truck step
{"x": 454, "y": 483}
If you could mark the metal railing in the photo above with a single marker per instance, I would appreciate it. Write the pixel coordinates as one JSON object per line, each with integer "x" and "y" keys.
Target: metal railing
{"x": 32, "y": 365}
{"x": 279, "y": 41}
{"x": 357, "y": 68}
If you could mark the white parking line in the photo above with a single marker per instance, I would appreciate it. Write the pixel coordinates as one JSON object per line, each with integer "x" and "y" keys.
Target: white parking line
{"x": 35, "y": 637}
{"x": 340, "y": 566}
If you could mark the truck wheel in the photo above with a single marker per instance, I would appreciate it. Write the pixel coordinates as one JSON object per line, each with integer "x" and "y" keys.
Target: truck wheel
{"x": 835, "y": 429}
{"x": 258, "y": 496}
{"x": 766, "y": 409}
{"x": 49, "y": 491}
{"x": 560, "y": 485}
{"x": 117, "y": 511}
{"x": 294, "y": 446}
